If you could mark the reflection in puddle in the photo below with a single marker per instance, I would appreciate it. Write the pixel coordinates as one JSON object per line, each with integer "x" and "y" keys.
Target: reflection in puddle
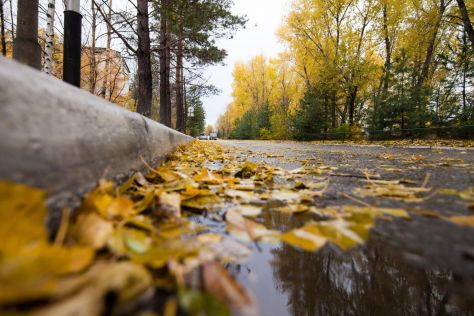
{"x": 369, "y": 280}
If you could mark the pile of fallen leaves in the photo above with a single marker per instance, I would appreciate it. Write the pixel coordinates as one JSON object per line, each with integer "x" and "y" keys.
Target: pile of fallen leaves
{"x": 126, "y": 243}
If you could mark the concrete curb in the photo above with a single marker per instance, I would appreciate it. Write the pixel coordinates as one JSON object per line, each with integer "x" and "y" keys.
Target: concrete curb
{"x": 63, "y": 139}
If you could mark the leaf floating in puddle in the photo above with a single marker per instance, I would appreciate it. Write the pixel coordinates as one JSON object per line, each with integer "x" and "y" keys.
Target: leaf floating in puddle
{"x": 221, "y": 285}
{"x": 247, "y": 210}
{"x": 286, "y": 195}
{"x": 342, "y": 233}
{"x": 304, "y": 238}
{"x": 196, "y": 304}
{"x": 293, "y": 209}
{"x": 245, "y": 228}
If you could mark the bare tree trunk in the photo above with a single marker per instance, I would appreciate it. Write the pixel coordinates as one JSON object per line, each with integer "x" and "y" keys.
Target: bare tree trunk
{"x": 49, "y": 45}
{"x": 466, "y": 21}
{"x": 352, "y": 102}
{"x": 425, "y": 71}
{"x": 179, "y": 81}
{"x": 165, "y": 56}
{"x": 464, "y": 79}
{"x": 2, "y": 29}
{"x": 426, "y": 67}
{"x": 145, "y": 85}
{"x": 26, "y": 48}
{"x": 93, "y": 60}
{"x": 106, "y": 90}
{"x": 388, "y": 51}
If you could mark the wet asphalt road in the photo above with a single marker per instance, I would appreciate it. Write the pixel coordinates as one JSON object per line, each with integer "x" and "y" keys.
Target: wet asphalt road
{"x": 424, "y": 241}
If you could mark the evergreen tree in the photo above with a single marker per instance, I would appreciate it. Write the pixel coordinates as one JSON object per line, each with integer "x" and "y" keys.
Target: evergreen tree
{"x": 197, "y": 123}
{"x": 311, "y": 118}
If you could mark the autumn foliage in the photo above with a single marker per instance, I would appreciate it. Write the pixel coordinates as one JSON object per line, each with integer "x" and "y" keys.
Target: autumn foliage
{"x": 353, "y": 65}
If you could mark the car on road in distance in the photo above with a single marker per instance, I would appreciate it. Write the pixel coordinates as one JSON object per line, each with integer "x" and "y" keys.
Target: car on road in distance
{"x": 203, "y": 137}
{"x": 213, "y": 136}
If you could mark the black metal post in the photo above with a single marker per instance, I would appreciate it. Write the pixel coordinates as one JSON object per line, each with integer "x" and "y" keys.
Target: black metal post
{"x": 72, "y": 47}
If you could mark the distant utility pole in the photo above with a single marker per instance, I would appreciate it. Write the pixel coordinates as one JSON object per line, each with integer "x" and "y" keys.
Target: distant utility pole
{"x": 26, "y": 48}
{"x": 72, "y": 43}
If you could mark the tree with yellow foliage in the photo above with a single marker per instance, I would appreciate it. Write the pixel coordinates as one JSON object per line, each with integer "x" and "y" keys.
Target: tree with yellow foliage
{"x": 353, "y": 64}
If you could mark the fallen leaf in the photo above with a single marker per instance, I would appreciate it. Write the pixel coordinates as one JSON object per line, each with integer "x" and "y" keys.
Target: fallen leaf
{"x": 462, "y": 220}
{"x": 170, "y": 204}
{"x": 22, "y": 215}
{"x": 240, "y": 226}
{"x": 247, "y": 210}
{"x": 221, "y": 285}
{"x": 90, "y": 229}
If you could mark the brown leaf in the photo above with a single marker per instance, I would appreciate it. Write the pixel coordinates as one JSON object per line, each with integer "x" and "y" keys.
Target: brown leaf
{"x": 221, "y": 285}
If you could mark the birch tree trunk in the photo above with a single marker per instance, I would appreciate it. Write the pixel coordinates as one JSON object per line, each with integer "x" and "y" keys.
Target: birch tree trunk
{"x": 49, "y": 45}
{"x": 93, "y": 60}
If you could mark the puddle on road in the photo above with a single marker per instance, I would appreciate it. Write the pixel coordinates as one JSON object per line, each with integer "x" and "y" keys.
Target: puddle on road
{"x": 369, "y": 280}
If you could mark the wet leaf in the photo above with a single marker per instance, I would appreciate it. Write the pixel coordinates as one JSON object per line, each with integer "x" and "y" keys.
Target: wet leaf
{"x": 342, "y": 233}
{"x": 218, "y": 283}
{"x": 247, "y": 210}
{"x": 200, "y": 200}
{"x": 198, "y": 304}
{"x": 245, "y": 228}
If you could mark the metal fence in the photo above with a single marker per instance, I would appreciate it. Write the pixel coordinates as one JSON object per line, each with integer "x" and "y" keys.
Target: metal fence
{"x": 453, "y": 132}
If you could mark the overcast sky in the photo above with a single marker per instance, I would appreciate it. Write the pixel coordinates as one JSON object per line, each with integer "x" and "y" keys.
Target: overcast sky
{"x": 265, "y": 17}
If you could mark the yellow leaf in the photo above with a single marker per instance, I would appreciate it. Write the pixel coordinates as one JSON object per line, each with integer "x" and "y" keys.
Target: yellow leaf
{"x": 463, "y": 220}
{"x": 240, "y": 226}
{"x": 22, "y": 215}
{"x": 170, "y": 204}
{"x": 247, "y": 210}
{"x": 92, "y": 230}
{"x": 119, "y": 208}
{"x": 33, "y": 273}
